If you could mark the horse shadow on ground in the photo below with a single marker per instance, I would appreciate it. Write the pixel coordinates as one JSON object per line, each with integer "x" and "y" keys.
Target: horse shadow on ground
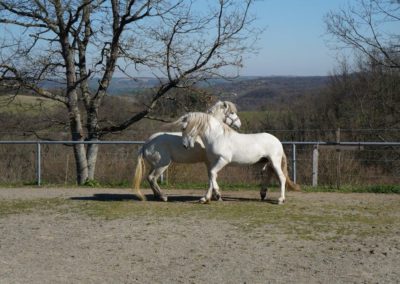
{"x": 245, "y": 199}
{"x": 109, "y": 197}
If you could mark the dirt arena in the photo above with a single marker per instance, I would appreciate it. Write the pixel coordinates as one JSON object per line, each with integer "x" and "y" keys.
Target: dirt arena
{"x": 79, "y": 235}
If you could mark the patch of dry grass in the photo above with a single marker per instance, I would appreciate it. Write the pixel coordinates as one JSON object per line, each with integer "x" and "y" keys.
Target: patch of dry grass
{"x": 298, "y": 218}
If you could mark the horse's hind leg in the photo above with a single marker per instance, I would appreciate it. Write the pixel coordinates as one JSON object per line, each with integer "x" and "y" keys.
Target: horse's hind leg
{"x": 216, "y": 195}
{"x": 152, "y": 178}
{"x": 266, "y": 173}
{"x": 276, "y": 164}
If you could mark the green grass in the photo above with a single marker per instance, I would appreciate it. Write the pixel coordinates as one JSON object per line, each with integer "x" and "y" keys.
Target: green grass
{"x": 31, "y": 105}
{"x": 297, "y": 218}
{"x": 8, "y": 207}
{"x": 355, "y": 189}
{"x": 390, "y": 189}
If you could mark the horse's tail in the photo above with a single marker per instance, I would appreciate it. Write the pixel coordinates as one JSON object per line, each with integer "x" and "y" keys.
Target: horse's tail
{"x": 140, "y": 168}
{"x": 291, "y": 185}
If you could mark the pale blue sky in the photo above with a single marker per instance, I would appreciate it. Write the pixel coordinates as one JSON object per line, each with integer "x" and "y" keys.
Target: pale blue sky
{"x": 294, "y": 42}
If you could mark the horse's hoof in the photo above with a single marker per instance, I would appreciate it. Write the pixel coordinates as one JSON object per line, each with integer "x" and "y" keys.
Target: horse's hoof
{"x": 218, "y": 197}
{"x": 203, "y": 200}
{"x": 281, "y": 201}
{"x": 161, "y": 198}
{"x": 263, "y": 195}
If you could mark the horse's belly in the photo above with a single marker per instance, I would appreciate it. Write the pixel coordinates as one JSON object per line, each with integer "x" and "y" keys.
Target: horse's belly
{"x": 188, "y": 156}
{"x": 245, "y": 159}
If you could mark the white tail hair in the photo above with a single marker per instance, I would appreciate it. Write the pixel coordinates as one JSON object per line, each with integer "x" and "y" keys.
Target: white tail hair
{"x": 137, "y": 179}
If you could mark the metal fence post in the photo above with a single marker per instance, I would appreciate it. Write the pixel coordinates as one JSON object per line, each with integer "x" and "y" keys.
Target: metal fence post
{"x": 38, "y": 164}
{"x": 294, "y": 162}
{"x": 315, "y": 166}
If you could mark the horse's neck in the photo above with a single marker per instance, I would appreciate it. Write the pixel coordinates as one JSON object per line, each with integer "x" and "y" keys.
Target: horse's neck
{"x": 213, "y": 131}
{"x": 219, "y": 115}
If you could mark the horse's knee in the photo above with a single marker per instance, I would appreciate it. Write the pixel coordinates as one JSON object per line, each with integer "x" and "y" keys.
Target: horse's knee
{"x": 150, "y": 178}
{"x": 213, "y": 174}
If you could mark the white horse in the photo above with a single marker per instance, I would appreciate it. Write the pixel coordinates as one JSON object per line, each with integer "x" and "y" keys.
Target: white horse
{"x": 162, "y": 148}
{"x": 223, "y": 145}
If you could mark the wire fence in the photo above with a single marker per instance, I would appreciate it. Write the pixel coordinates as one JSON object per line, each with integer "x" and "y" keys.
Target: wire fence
{"x": 310, "y": 163}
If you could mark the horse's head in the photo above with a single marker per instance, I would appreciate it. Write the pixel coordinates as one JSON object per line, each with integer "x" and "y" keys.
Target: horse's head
{"x": 226, "y": 112}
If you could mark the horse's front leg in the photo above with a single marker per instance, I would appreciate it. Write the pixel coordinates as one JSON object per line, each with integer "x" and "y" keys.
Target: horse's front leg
{"x": 216, "y": 194}
{"x": 212, "y": 180}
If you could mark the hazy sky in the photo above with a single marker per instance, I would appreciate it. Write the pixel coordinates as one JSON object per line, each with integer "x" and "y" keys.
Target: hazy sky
{"x": 294, "y": 42}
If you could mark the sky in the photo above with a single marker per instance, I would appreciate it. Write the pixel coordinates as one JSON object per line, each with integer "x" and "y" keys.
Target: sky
{"x": 294, "y": 42}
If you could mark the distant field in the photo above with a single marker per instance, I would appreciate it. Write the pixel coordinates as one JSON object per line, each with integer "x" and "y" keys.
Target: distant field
{"x": 26, "y": 104}
{"x": 252, "y": 115}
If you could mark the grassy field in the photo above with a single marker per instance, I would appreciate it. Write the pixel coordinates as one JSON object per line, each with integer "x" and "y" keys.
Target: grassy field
{"x": 325, "y": 216}
{"x": 26, "y": 104}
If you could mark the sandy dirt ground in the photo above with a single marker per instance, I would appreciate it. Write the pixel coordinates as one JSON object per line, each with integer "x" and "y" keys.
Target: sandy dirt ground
{"x": 63, "y": 245}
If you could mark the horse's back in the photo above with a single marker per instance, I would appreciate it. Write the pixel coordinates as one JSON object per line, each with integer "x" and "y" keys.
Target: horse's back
{"x": 264, "y": 140}
{"x": 164, "y": 147}
{"x": 251, "y": 148}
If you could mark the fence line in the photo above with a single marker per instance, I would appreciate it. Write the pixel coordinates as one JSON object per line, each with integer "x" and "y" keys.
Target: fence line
{"x": 316, "y": 144}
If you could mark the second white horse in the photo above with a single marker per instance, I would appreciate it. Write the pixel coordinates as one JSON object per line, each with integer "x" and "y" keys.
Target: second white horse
{"x": 162, "y": 148}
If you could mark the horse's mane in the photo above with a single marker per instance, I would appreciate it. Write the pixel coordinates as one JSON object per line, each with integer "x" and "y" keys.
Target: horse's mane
{"x": 199, "y": 122}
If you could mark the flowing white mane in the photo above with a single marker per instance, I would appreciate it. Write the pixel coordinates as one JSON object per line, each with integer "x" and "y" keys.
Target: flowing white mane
{"x": 198, "y": 122}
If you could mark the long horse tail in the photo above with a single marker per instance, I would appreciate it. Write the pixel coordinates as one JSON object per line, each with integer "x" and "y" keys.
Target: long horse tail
{"x": 291, "y": 185}
{"x": 140, "y": 168}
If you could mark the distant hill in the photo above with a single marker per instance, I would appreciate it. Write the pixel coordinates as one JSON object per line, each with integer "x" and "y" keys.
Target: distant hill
{"x": 253, "y": 94}
{"x": 249, "y": 93}
{"x": 128, "y": 86}
{"x": 118, "y": 86}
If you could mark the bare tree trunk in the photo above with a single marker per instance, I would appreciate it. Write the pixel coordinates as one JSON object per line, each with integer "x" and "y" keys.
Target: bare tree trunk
{"x": 79, "y": 149}
{"x": 92, "y": 150}
{"x": 81, "y": 163}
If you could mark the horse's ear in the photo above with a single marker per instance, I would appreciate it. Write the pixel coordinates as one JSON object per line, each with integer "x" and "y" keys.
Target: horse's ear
{"x": 225, "y": 104}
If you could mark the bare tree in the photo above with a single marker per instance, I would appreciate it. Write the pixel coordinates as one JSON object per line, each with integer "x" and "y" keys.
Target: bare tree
{"x": 370, "y": 27}
{"x": 73, "y": 42}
